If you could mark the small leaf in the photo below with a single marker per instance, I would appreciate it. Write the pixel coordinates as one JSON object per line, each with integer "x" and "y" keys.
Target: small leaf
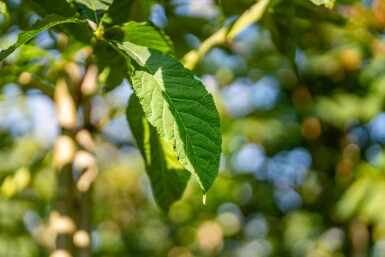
{"x": 39, "y": 26}
{"x": 143, "y": 33}
{"x": 93, "y": 9}
{"x": 180, "y": 108}
{"x": 167, "y": 176}
{"x": 327, "y": 3}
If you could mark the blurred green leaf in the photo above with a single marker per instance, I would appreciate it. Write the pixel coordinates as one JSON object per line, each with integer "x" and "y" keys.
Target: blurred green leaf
{"x": 327, "y": 3}
{"x": 121, "y": 12}
{"x": 364, "y": 197}
{"x": 39, "y": 26}
{"x": 112, "y": 65}
{"x": 3, "y": 8}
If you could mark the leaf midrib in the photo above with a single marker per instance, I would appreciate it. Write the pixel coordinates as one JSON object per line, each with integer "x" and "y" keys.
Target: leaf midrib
{"x": 94, "y": 8}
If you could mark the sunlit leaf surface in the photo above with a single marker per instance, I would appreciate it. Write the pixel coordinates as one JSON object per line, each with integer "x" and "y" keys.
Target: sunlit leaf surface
{"x": 181, "y": 109}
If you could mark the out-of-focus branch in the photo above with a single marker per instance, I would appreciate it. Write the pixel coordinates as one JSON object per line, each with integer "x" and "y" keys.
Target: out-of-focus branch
{"x": 85, "y": 163}
{"x": 74, "y": 160}
{"x": 250, "y": 16}
{"x": 62, "y": 218}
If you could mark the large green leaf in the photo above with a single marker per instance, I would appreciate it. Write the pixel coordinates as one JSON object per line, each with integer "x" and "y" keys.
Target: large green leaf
{"x": 180, "y": 108}
{"x": 93, "y": 9}
{"x": 167, "y": 176}
{"x": 39, "y": 26}
{"x": 141, "y": 33}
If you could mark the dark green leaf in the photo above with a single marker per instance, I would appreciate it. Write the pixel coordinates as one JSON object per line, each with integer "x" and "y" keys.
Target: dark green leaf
{"x": 93, "y": 9}
{"x": 143, "y": 33}
{"x": 180, "y": 108}
{"x": 167, "y": 176}
{"x": 114, "y": 14}
{"x": 65, "y": 9}
{"x": 112, "y": 65}
{"x": 121, "y": 12}
{"x": 46, "y": 7}
{"x": 41, "y": 25}
{"x": 252, "y": 15}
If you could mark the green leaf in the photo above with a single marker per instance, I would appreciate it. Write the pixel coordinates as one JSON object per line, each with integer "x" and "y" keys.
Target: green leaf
{"x": 3, "y": 9}
{"x": 120, "y": 11}
{"x": 167, "y": 176}
{"x": 93, "y": 9}
{"x": 65, "y": 9}
{"x": 46, "y": 7}
{"x": 114, "y": 14}
{"x": 180, "y": 108}
{"x": 250, "y": 16}
{"x": 141, "y": 33}
{"x": 327, "y": 3}
{"x": 39, "y": 26}
{"x": 111, "y": 63}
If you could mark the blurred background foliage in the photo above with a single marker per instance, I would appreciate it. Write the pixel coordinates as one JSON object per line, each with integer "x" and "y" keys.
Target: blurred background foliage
{"x": 301, "y": 96}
